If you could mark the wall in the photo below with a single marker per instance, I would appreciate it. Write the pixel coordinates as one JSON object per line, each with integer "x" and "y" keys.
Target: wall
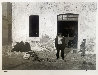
{"x": 48, "y": 12}
{"x": 6, "y": 23}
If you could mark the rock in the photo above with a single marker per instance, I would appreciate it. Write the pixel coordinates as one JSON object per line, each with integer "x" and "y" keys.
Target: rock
{"x": 26, "y": 55}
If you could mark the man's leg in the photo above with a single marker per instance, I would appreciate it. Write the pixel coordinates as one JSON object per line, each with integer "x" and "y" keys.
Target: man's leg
{"x": 62, "y": 54}
{"x": 57, "y": 55}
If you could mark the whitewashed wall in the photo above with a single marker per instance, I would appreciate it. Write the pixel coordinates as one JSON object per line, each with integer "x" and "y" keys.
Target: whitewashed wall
{"x": 48, "y": 12}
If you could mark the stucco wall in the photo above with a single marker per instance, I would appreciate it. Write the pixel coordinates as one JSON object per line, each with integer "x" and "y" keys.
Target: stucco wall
{"x": 48, "y": 12}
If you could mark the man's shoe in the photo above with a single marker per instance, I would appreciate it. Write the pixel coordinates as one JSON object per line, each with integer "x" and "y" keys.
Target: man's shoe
{"x": 57, "y": 58}
{"x": 62, "y": 58}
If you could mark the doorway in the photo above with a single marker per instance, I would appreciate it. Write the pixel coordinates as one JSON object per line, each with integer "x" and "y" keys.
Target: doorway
{"x": 69, "y": 29}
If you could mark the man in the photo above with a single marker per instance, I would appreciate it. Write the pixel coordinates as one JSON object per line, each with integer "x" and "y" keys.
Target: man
{"x": 60, "y": 45}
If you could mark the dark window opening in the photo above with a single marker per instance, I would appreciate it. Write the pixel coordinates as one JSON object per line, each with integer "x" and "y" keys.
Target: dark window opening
{"x": 33, "y": 26}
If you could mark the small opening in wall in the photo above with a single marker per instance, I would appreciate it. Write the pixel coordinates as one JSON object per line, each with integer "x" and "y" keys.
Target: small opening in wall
{"x": 34, "y": 26}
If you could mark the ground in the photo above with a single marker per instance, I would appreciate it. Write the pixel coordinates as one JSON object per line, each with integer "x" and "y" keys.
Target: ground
{"x": 73, "y": 61}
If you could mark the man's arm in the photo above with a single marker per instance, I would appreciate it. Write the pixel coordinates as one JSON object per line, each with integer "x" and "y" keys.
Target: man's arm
{"x": 56, "y": 42}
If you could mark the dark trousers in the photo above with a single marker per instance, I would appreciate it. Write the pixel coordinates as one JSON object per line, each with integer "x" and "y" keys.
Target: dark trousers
{"x": 59, "y": 47}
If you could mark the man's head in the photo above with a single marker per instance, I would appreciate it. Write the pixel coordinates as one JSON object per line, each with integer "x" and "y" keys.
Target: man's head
{"x": 84, "y": 40}
{"x": 60, "y": 34}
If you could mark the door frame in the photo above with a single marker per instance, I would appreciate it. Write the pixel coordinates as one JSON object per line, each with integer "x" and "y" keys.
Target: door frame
{"x": 68, "y": 17}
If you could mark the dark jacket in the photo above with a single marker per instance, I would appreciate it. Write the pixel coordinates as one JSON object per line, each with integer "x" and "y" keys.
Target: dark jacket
{"x": 63, "y": 43}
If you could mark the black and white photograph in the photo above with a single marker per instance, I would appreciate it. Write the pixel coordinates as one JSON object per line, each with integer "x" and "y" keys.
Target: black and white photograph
{"x": 49, "y": 35}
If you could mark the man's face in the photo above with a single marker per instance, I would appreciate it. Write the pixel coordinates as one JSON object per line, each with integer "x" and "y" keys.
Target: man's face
{"x": 60, "y": 35}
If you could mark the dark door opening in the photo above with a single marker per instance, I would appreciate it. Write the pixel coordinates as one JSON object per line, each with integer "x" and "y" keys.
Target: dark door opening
{"x": 34, "y": 26}
{"x": 69, "y": 30}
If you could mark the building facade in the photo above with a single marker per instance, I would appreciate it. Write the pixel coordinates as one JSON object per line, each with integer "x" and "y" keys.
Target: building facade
{"x": 48, "y": 21}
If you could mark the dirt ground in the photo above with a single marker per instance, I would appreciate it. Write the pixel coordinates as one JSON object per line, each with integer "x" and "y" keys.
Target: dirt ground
{"x": 73, "y": 61}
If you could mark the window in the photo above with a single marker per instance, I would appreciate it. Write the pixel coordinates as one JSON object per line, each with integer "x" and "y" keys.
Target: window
{"x": 33, "y": 26}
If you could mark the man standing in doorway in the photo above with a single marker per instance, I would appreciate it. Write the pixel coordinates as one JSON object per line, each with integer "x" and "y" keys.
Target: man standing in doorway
{"x": 60, "y": 45}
